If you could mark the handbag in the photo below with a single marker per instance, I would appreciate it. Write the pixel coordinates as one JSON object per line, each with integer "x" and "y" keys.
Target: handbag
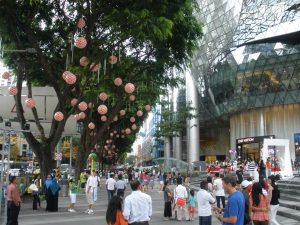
{"x": 180, "y": 201}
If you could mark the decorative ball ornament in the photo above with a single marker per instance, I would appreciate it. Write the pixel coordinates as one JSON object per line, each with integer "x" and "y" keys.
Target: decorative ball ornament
{"x": 69, "y": 77}
{"x": 77, "y": 117}
{"x": 12, "y": 90}
{"x": 122, "y": 136}
{"x": 113, "y": 59}
{"x": 122, "y": 131}
{"x": 74, "y": 101}
{"x": 80, "y": 42}
{"x": 132, "y": 98}
{"x": 82, "y": 115}
{"x": 58, "y": 116}
{"x": 91, "y": 105}
{"x": 103, "y": 96}
{"x": 84, "y": 61}
{"x": 65, "y": 74}
{"x": 127, "y": 131}
{"x": 115, "y": 118}
{"x": 122, "y": 112}
{"x": 5, "y": 75}
{"x": 118, "y": 135}
{"x": 139, "y": 113}
{"x": 129, "y": 88}
{"x": 111, "y": 134}
{"x": 103, "y": 118}
{"x": 133, "y": 127}
{"x": 94, "y": 67}
{"x": 115, "y": 132}
{"x": 147, "y": 107}
{"x": 118, "y": 81}
{"x": 30, "y": 103}
{"x": 82, "y": 106}
{"x": 132, "y": 119}
{"x": 102, "y": 109}
{"x": 81, "y": 23}
{"x": 91, "y": 125}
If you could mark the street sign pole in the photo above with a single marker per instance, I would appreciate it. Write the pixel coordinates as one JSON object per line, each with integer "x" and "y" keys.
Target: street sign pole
{"x": 71, "y": 151}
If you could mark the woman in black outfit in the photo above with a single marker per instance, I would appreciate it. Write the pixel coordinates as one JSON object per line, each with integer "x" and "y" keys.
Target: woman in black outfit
{"x": 168, "y": 201}
{"x": 274, "y": 204}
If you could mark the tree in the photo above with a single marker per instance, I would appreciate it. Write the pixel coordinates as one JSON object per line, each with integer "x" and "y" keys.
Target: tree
{"x": 149, "y": 37}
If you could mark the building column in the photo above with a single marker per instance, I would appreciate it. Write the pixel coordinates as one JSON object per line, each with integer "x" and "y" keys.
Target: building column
{"x": 167, "y": 147}
{"x": 192, "y": 124}
{"x": 177, "y": 146}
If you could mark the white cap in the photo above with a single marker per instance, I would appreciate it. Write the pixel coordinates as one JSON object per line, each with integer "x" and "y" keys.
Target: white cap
{"x": 245, "y": 184}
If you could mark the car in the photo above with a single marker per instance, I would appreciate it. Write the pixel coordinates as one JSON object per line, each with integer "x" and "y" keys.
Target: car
{"x": 16, "y": 172}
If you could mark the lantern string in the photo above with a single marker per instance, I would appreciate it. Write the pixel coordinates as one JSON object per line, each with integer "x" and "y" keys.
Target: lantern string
{"x": 67, "y": 61}
{"x": 111, "y": 59}
{"x": 104, "y": 66}
{"x": 98, "y": 73}
{"x": 119, "y": 54}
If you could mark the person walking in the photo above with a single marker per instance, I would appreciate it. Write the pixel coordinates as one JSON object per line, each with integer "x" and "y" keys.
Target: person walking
{"x": 268, "y": 167}
{"x": 181, "y": 197}
{"x": 52, "y": 191}
{"x": 137, "y": 206}
{"x": 204, "y": 201}
{"x": 114, "y": 214}
{"x": 246, "y": 188}
{"x": 235, "y": 208}
{"x": 251, "y": 168}
{"x": 72, "y": 193}
{"x": 274, "y": 203}
{"x": 89, "y": 193}
{"x": 168, "y": 201}
{"x": 13, "y": 202}
{"x": 219, "y": 191}
{"x": 262, "y": 168}
{"x": 120, "y": 186}
{"x": 110, "y": 186}
{"x": 259, "y": 205}
{"x": 95, "y": 182}
{"x": 192, "y": 205}
{"x": 35, "y": 195}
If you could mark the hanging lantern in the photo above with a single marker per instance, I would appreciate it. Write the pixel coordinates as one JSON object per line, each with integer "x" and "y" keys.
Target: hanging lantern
{"x": 118, "y": 81}
{"x": 113, "y": 146}
{"x": 84, "y": 61}
{"x": 132, "y": 119}
{"x": 139, "y": 113}
{"x": 102, "y": 109}
{"x": 122, "y": 131}
{"x": 111, "y": 134}
{"x": 147, "y": 107}
{"x": 74, "y": 101}
{"x": 91, "y": 105}
{"x": 82, "y": 115}
{"x": 117, "y": 136}
{"x": 103, "y": 96}
{"x": 81, "y": 23}
{"x": 12, "y": 90}
{"x": 132, "y": 98}
{"x": 107, "y": 141}
{"x": 103, "y": 118}
{"x": 115, "y": 118}
{"x": 58, "y": 116}
{"x": 80, "y": 42}
{"x": 91, "y": 125}
{"x": 71, "y": 79}
{"x": 65, "y": 74}
{"x": 5, "y": 75}
{"x": 122, "y": 112}
{"x": 133, "y": 127}
{"x": 76, "y": 117}
{"x": 129, "y": 88}
{"x": 115, "y": 132}
{"x": 113, "y": 59}
{"x": 82, "y": 106}
{"x": 122, "y": 136}
{"x": 30, "y": 103}
{"x": 94, "y": 67}
{"x": 127, "y": 131}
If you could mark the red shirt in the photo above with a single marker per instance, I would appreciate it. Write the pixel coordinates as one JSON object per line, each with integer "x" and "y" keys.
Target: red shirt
{"x": 13, "y": 194}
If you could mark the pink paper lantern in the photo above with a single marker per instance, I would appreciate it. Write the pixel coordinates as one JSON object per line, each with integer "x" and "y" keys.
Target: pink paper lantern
{"x": 74, "y": 101}
{"x": 81, "y": 23}
{"x": 77, "y": 117}
{"x": 122, "y": 112}
{"x": 113, "y": 59}
{"x": 5, "y": 75}
{"x": 65, "y": 74}
{"x": 91, "y": 125}
{"x": 12, "y": 90}
{"x": 71, "y": 79}
{"x": 115, "y": 132}
{"x": 30, "y": 103}
{"x": 147, "y": 107}
{"x": 82, "y": 106}
{"x": 111, "y": 134}
{"x": 132, "y": 98}
{"x": 58, "y": 116}
{"x": 115, "y": 118}
{"x": 122, "y": 136}
{"x": 84, "y": 61}
{"x": 102, "y": 109}
{"x": 80, "y": 42}
{"x": 132, "y": 119}
{"x": 139, "y": 113}
{"x": 133, "y": 127}
{"x": 118, "y": 135}
{"x": 118, "y": 81}
{"x": 127, "y": 131}
{"x": 103, "y": 118}
{"x": 129, "y": 88}
{"x": 82, "y": 115}
{"x": 122, "y": 131}
{"x": 94, "y": 67}
{"x": 103, "y": 96}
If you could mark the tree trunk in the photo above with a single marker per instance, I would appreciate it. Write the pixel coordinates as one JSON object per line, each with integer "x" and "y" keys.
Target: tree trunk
{"x": 46, "y": 160}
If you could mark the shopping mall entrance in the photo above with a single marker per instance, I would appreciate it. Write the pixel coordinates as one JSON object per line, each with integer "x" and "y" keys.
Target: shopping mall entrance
{"x": 250, "y": 147}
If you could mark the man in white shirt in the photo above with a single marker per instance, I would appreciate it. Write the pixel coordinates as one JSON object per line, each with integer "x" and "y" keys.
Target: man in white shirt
{"x": 219, "y": 191}
{"x": 180, "y": 197}
{"x": 110, "y": 186}
{"x": 204, "y": 201}
{"x": 95, "y": 180}
{"x": 89, "y": 193}
{"x": 137, "y": 206}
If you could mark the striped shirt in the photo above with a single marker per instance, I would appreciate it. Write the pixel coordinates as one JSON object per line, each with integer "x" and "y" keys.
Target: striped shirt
{"x": 251, "y": 166}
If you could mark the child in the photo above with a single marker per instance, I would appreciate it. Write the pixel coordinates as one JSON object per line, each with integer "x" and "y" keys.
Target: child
{"x": 192, "y": 204}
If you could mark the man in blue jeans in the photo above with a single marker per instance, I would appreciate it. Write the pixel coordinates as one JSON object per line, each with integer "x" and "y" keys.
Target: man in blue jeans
{"x": 235, "y": 208}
